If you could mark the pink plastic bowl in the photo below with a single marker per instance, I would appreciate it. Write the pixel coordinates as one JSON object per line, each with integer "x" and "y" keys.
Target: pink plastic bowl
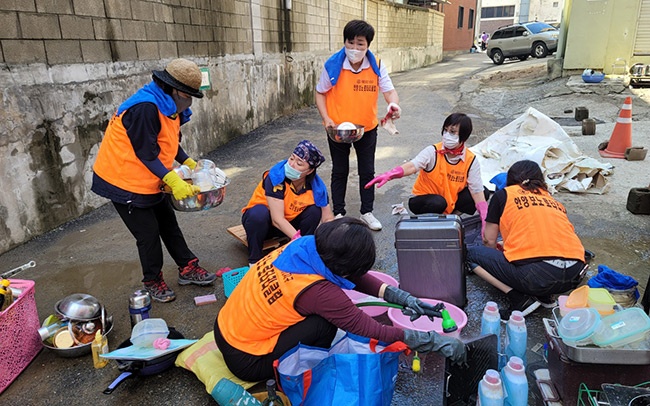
{"x": 358, "y": 297}
{"x": 424, "y": 324}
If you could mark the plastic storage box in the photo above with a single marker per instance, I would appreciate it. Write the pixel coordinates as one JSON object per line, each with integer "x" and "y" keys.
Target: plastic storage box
{"x": 622, "y": 328}
{"x": 578, "y": 326}
{"x": 147, "y": 331}
{"x": 232, "y": 278}
{"x": 601, "y": 300}
{"x": 19, "y": 339}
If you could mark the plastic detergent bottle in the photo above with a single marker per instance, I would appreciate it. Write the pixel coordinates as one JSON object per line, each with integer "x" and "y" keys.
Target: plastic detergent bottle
{"x": 99, "y": 347}
{"x": 515, "y": 382}
{"x": 490, "y": 390}
{"x": 491, "y": 322}
{"x": 516, "y": 336}
{"x": 228, "y": 393}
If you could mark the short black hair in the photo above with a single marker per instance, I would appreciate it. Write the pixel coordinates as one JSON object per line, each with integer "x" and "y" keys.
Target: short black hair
{"x": 346, "y": 246}
{"x": 464, "y": 125}
{"x": 358, "y": 28}
{"x": 528, "y": 175}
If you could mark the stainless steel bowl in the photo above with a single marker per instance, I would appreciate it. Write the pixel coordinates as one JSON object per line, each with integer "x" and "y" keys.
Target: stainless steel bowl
{"x": 202, "y": 201}
{"x": 78, "y": 306}
{"x": 78, "y": 350}
{"x": 345, "y": 136}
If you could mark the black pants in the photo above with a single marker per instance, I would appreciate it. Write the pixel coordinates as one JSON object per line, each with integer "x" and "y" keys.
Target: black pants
{"x": 313, "y": 330}
{"x": 437, "y": 204}
{"x": 150, "y": 225}
{"x": 365, "y": 149}
{"x": 259, "y": 227}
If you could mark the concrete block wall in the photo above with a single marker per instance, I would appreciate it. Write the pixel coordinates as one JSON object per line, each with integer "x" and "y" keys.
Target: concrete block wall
{"x": 66, "y": 65}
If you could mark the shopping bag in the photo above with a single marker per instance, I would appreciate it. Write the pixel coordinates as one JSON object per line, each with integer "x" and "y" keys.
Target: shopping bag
{"x": 354, "y": 371}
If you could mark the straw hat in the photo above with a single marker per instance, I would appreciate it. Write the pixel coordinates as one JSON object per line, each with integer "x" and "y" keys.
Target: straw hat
{"x": 182, "y": 75}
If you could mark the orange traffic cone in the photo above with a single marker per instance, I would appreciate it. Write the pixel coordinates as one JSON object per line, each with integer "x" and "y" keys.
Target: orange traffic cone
{"x": 621, "y": 138}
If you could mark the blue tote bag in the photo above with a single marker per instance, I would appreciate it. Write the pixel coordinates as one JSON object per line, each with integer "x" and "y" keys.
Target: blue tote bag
{"x": 354, "y": 371}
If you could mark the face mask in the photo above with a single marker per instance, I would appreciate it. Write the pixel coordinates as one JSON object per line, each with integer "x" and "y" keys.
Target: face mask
{"x": 354, "y": 55}
{"x": 291, "y": 173}
{"x": 449, "y": 140}
{"x": 182, "y": 103}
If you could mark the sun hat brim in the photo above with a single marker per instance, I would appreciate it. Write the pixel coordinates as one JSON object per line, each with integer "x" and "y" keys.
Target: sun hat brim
{"x": 164, "y": 76}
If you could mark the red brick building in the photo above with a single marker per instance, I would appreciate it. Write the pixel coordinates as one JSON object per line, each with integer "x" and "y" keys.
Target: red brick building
{"x": 460, "y": 25}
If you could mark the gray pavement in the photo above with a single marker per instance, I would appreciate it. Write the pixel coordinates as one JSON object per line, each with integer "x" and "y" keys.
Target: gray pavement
{"x": 95, "y": 254}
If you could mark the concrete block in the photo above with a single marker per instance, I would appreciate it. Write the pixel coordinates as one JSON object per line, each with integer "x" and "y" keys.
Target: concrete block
{"x": 93, "y": 8}
{"x": 192, "y": 32}
{"x": 147, "y": 50}
{"x": 156, "y": 31}
{"x": 23, "y": 51}
{"x": 63, "y": 51}
{"x": 163, "y": 12}
{"x": 175, "y": 32}
{"x": 124, "y": 50}
{"x": 635, "y": 153}
{"x": 108, "y": 29}
{"x": 638, "y": 201}
{"x": 17, "y": 5}
{"x": 118, "y": 8}
{"x": 182, "y": 15}
{"x": 167, "y": 50}
{"x": 73, "y": 27}
{"x": 134, "y": 30}
{"x": 581, "y": 113}
{"x": 39, "y": 26}
{"x": 54, "y": 6}
{"x": 142, "y": 10}
{"x": 8, "y": 25}
{"x": 95, "y": 51}
{"x": 588, "y": 126}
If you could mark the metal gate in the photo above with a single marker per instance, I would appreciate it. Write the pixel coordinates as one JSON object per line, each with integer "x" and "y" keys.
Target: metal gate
{"x": 642, "y": 40}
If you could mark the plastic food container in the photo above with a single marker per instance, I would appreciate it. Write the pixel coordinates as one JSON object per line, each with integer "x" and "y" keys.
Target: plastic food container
{"x": 358, "y": 297}
{"x": 622, "y": 328}
{"x": 601, "y": 300}
{"x": 425, "y": 324}
{"x": 578, "y": 326}
{"x": 147, "y": 331}
{"x": 579, "y": 298}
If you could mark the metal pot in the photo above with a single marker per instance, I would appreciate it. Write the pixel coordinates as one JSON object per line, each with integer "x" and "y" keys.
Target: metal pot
{"x": 79, "y": 350}
{"x": 78, "y": 306}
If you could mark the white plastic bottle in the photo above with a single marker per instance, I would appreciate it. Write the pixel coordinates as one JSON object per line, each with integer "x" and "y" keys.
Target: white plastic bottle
{"x": 491, "y": 322}
{"x": 515, "y": 382}
{"x": 516, "y": 336}
{"x": 490, "y": 389}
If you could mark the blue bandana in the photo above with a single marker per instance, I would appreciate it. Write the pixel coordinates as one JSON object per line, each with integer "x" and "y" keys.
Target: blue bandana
{"x": 301, "y": 257}
{"x": 317, "y": 185}
{"x": 308, "y": 152}
{"x": 152, "y": 93}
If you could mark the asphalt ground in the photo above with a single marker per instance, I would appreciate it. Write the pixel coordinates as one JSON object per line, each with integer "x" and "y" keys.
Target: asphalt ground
{"x": 95, "y": 254}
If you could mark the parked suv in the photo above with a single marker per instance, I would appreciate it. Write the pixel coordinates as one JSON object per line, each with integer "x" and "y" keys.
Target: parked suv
{"x": 521, "y": 40}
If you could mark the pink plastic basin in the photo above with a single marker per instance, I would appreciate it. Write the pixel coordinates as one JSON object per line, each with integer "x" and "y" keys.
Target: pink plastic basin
{"x": 425, "y": 324}
{"x": 358, "y": 297}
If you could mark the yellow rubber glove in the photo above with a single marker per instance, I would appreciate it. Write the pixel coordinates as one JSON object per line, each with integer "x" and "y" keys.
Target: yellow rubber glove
{"x": 180, "y": 188}
{"x": 190, "y": 163}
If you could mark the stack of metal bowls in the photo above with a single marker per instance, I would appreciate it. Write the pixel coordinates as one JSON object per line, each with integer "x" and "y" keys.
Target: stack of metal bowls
{"x": 345, "y": 136}
{"x": 202, "y": 201}
{"x": 84, "y": 316}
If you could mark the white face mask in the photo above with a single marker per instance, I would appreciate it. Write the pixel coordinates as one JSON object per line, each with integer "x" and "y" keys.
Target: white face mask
{"x": 354, "y": 55}
{"x": 449, "y": 140}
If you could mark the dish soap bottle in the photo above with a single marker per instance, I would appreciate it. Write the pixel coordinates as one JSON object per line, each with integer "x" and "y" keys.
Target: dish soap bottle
{"x": 273, "y": 399}
{"x": 7, "y": 295}
{"x": 99, "y": 347}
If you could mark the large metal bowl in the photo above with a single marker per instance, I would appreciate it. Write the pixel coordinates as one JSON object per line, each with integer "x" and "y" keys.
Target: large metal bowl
{"x": 78, "y": 306}
{"x": 202, "y": 201}
{"x": 345, "y": 136}
{"x": 78, "y": 350}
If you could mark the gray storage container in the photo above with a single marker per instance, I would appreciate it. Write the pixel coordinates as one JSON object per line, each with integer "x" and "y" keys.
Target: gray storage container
{"x": 430, "y": 257}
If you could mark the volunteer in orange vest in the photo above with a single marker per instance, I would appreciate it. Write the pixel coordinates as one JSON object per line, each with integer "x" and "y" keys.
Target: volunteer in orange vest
{"x": 541, "y": 254}
{"x": 449, "y": 177}
{"x": 140, "y": 144}
{"x": 291, "y": 200}
{"x": 347, "y": 91}
{"x": 295, "y": 295}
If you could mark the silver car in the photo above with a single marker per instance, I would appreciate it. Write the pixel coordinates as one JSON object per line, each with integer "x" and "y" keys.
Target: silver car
{"x": 522, "y": 40}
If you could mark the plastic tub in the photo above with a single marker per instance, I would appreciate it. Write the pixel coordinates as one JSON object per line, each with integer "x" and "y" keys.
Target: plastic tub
{"x": 358, "y": 297}
{"x": 601, "y": 300}
{"x": 622, "y": 328}
{"x": 579, "y": 298}
{"x": 578, "y": 326}
{"x": 425, "y": 324}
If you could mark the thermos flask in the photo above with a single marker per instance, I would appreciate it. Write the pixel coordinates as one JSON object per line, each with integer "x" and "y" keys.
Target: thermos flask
{"x": 139, "y": 306}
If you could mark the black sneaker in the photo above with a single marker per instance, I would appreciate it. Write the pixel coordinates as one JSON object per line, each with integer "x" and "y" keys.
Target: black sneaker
{"x": 194, "y": 273}
{"x": 547, "y": 302}
{"x": 521, "y": 302}
{"x": 159, "y": 290}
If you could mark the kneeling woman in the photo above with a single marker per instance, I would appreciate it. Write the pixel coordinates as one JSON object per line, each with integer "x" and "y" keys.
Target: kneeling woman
{"x": 291, "y": 199}
{"x": 295, "y": 295}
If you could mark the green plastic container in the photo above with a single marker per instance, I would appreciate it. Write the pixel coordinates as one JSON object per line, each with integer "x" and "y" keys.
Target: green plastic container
{"x": 621, "y": 328}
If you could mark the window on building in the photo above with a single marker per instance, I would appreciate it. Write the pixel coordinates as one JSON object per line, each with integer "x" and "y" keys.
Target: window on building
{"x": 470, "y": 19}
{"x": 499, "y": 11}
{"x": 555, "y": 4}
{"x": 461, "y": 16}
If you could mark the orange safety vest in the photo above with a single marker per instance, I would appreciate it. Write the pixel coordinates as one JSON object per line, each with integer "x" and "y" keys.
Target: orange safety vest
{"x": 294, "y": 203}
{"x": 354, "y": 98}
{"x": 262, "y": 306}
{"x": 445, "y": 179}
{"x": 536, "y": 226}
{"x": 118, "y": 165}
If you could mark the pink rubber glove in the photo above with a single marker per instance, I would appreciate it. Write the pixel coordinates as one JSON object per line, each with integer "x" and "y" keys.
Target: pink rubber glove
{"x": 482, "y": 208}
{"x": 296, "y": 235}
{"x": 395, "y": 173}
